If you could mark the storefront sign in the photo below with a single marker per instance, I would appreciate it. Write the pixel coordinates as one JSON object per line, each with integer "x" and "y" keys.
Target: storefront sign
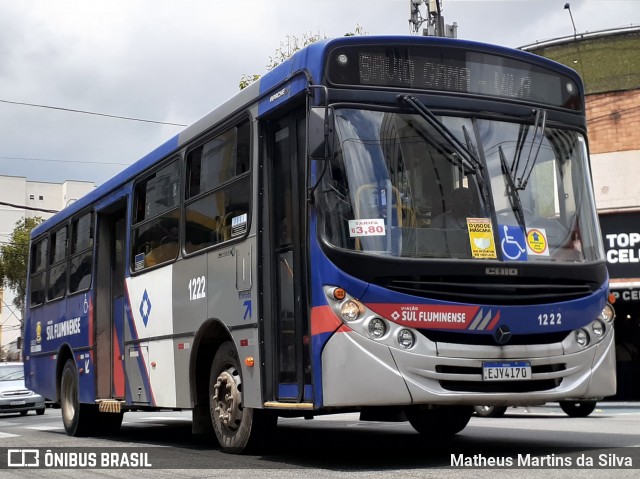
{"x": 621, "y": 235}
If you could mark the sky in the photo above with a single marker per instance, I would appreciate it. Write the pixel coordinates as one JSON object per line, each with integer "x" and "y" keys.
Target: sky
{"x": 173, "y": 61}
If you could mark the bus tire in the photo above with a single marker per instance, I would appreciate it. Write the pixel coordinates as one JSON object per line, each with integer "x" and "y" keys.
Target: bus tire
{"x": 77, "y": 418}
{"x": 439, "y": 422}
{"x": 237, "y": 428}
{"x": 490, "y": 411}
{"x": 578, "y": 408}
{"x": 108, "y": 423}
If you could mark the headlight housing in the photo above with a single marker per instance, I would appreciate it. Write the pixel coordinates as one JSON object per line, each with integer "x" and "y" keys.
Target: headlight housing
{"x": 582, "y": 338}
{"x": 368, "y": 323}
{"x": 608, "y": 313}
{"x": 406, "y": 339}
{"x": 351, "y": 310}
{"x": 377, "y": 328}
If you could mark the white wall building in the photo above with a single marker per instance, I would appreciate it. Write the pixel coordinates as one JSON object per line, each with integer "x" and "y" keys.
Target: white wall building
{"x": 21, "y": 193}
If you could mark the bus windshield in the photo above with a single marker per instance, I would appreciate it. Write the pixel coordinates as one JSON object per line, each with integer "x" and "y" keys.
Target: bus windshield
{"x": 399, "y": 186}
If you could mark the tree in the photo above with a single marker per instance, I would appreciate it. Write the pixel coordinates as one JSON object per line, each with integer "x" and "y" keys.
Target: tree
{"x": 14, "y": 259}
{"x": 293, "y": 44}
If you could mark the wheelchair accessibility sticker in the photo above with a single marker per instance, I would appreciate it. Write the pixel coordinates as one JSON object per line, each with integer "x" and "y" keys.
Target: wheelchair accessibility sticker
{"x": 512, "y": 243}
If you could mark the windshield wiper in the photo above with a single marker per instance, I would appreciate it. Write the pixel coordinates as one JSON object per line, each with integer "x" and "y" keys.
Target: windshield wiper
{"x": 539, "y": 125}
{"x": 466, "y": 155}
{"x": 512, "y": 191}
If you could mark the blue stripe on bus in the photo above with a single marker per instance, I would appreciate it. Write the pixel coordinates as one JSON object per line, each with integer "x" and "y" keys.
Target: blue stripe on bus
{"x": 294, "y": 72}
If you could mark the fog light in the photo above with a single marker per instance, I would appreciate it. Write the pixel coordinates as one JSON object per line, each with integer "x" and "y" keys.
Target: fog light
{"x": 598, "y": 328}
{"x": 406, "y": 339}
{"x": 350, "y": 310}
{"x": 377, "y": 328}
{"x": 608, "y": 313}
{"x": 582, "y": 337}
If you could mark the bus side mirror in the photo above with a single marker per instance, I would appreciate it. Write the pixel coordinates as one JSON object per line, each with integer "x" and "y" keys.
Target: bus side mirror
{"x": 320, "y": 133}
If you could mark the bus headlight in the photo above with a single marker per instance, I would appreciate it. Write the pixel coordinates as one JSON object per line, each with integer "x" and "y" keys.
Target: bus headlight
{"x": 377, "y": 328}
{"x": 598, "y": 328}
{"x": 582, "y": 337}
{"x": 608, "y": 313}
{"x": 406, "y": 339}
{"x": 350, "y": 310}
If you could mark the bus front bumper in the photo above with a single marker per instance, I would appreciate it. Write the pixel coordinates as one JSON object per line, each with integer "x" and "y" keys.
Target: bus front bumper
{"x": 358, "y": 371}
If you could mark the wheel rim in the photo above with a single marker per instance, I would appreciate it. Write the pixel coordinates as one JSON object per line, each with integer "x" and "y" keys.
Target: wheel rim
{"x": 227, "y": 399}
{"x": 69, "y": 393}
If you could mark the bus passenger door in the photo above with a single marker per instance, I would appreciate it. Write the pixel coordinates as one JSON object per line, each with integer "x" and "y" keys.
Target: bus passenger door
{"x": 287, "y": 331}
{"x": 110, "y": 302}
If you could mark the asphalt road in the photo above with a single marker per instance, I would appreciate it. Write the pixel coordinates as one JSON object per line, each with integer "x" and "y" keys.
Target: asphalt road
{"x": 526, "y": 443}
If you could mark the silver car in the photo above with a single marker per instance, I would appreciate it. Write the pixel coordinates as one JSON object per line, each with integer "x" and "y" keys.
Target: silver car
{"x": 14, "y": 396}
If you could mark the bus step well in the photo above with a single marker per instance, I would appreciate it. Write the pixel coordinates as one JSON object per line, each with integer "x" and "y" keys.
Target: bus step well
{"x": 288, "y": 405}
{"x": 109, "y": 405}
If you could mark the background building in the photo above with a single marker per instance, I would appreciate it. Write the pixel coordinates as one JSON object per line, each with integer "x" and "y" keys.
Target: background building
{"x": 17, "y": 196}
{"x": 609, "y": 64}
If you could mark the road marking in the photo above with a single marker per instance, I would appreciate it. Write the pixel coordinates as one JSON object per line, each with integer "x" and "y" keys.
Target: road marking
{"x": 44, "y": 428}
{"x": 6, "y": 434}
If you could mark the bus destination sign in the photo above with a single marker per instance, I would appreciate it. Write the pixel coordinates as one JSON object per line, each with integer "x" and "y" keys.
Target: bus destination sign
{"x": 455, "y": 70}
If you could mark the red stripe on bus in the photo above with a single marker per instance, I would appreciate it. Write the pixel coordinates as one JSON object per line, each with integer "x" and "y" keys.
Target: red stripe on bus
{"x": 494, "y": 321}
{"x": 118, "y": 370}
{"x": 323, "y": 320}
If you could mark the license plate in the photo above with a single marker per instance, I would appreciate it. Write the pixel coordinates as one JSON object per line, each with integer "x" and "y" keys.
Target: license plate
{"x": 506, "y": 371}
{"x": 18, "y": 403}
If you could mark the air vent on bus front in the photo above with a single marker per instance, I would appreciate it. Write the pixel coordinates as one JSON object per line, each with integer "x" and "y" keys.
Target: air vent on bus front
{"x": 491, "y": 291}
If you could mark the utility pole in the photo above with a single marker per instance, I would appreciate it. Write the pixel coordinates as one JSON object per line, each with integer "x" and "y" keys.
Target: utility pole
{"x": 434, "y": 19}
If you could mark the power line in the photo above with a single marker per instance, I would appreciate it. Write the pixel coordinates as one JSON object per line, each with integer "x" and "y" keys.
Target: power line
{"x": 71, "y": 110}
{"x": 30, "y": 208}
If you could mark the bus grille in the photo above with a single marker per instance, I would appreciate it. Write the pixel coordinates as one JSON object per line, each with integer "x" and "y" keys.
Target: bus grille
{"x": 491, "y": 291}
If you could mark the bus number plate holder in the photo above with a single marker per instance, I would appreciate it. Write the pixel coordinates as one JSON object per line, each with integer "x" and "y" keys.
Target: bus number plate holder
{"x": 506, "y": 371}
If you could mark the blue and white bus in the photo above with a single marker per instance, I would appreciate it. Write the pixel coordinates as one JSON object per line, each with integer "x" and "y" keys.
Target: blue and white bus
{"x": 401, "y": 226}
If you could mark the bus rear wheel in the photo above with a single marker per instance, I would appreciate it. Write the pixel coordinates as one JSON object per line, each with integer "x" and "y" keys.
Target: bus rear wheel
{"x": 238, "y": 429}
{"x": 77, "y": 418}
{"x": 578, "y": 408}
{"x": 439, "y": 422}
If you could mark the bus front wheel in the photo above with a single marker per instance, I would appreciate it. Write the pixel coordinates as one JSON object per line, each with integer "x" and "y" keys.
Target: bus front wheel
{"x": 77, "y": 418}
{"x": 439, "y": 422}
{"x": 578, "y": 408}
{"x": 237, "y": 428}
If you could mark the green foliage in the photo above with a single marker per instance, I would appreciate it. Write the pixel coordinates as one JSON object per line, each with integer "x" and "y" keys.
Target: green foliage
{"x": 288, "y": 48}
{"x": 14, "y": 259}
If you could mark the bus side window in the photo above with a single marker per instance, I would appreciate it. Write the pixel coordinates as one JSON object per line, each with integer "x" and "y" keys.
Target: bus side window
{"x": 37, "y": 278}
{"x": 81, "y": 263}
{"x": 218, "y": 189}
{"x": 156, "y": 230}
{"x": 57, "y": 264}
